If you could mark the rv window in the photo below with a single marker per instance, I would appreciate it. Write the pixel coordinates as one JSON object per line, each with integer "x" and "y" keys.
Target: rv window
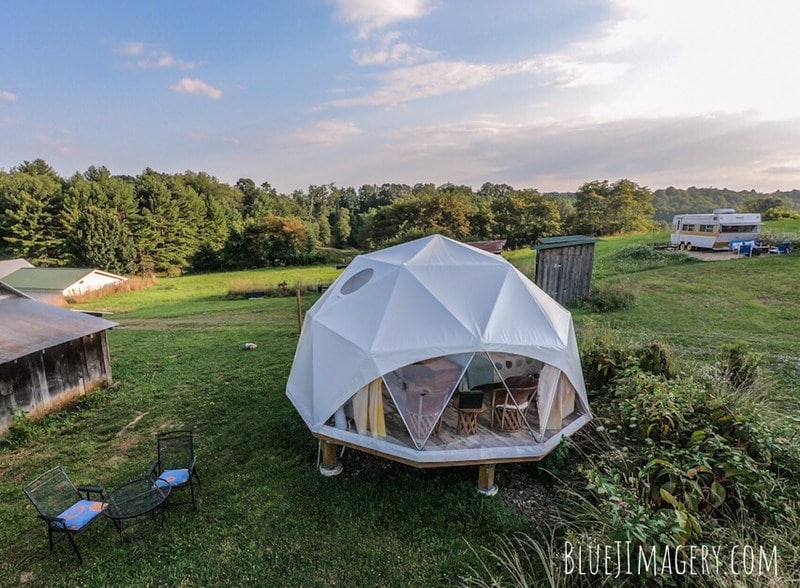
{"x": 739, "y": 228}
{"x": 706, "y": 228}
{"x": 688, "y": 228}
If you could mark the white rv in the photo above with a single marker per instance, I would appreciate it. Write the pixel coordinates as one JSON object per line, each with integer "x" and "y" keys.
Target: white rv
{"x": 715, "y": 230}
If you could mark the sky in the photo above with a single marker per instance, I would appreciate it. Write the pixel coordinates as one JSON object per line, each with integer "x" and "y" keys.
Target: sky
{"x": 533, "y": 93}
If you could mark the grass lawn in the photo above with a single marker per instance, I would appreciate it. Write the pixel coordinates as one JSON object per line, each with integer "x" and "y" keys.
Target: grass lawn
{"x": 266, "y": 517}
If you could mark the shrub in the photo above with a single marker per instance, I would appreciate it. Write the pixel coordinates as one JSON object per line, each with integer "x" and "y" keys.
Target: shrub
{"x": 21, "y": 431}
{"x": 682, "y": 460}
{"x": 775, "y": 239}
{"x": 644, "y": 252}
{"x": 610, "y": 299}
{"x": 637, "y": 258}
{"x": 606, "y": 360}
{"x": 738, "y": 366}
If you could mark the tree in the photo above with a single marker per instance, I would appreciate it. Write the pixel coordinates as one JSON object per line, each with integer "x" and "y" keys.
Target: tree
{"x": 30, "y": 200}
{"x": 341, "y": 227}
{"x": 605, "y": 209}
{"x": 522, "y": 216}
{"x": 272, "y": 240}
{"x": 425, "y": 212}
{"x": 97, "y": 218}
{"x": 170, "y": 214}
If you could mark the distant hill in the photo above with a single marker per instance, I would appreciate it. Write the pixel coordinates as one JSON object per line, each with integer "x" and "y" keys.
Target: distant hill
{"x": 671, "y": 201}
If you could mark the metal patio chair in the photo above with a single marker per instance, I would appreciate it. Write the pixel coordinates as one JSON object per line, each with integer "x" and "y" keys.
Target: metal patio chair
{"x": 177, "y": 462}
{"x": 62, "y": 507}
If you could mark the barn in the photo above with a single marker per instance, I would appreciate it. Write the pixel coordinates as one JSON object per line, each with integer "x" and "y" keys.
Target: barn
{"x": 47, "y": 354}
{"x": 54, "y": 284}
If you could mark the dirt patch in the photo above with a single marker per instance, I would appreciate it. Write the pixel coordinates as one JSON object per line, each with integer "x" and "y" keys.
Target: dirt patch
{"x": 139, "y": 416}
{"x": 522, "y": 490}
{"x": 712, "y": 255}
{"x": 518, "y": 484}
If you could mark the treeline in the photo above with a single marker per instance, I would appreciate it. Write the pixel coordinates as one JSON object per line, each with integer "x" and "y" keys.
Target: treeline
{"x": 169, "y": 223}
{"x": 671, "y": 201}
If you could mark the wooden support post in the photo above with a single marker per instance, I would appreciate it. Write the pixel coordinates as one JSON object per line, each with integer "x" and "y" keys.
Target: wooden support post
{"x": 106, "y": 356}
{"x": 330, "y": 465}
{"x": 299, "y": 312}
{"x": 486, "y": 485}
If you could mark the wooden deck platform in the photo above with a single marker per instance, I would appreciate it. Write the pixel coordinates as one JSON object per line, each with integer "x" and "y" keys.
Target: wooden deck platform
{"x": 449, "y": 448}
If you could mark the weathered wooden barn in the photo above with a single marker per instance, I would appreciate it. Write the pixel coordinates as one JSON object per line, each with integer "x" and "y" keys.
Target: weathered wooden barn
{"x": 47, "y": 354}
{"x": 564, "y": 267}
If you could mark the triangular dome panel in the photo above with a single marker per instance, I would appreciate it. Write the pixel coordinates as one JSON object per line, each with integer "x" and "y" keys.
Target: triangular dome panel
{"x": 414, "y": 319}
{"x": 421, "y": 391}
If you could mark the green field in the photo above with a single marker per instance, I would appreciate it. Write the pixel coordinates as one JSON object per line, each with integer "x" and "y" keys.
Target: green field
{"x": 266, "y": 517}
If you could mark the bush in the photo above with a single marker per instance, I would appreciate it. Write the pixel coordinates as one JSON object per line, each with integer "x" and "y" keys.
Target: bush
{"x": 681, "y": 461}
{"x": 738, "y": 366}
{"x": 775, "y": 239}
{"x": 644, "y": 252}
{"x": 606, "y": 361}
{"x": 637, "y": 258}
{"x": 610, "y": 299}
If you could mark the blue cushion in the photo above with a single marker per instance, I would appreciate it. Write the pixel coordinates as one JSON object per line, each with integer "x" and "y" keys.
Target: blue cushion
{"x": 81, "y": 514}
{"x": 175, "y": 477}
{"x": 161, "y": 483}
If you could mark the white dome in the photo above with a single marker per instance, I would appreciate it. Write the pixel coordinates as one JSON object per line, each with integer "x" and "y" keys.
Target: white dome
{"x": 428, "y": 298}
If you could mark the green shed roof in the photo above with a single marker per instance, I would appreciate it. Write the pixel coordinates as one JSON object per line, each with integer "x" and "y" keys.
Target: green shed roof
{"x": 565, "y": 241}
{"x": 46, "y": 278}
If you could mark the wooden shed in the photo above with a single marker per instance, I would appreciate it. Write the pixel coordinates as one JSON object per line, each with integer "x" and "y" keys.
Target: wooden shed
{"x": 564, "y": 267}
{"x": 47, "y": 354}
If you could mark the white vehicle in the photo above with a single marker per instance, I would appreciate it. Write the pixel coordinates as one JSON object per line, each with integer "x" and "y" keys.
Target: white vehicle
{"x": 715, "y": 230}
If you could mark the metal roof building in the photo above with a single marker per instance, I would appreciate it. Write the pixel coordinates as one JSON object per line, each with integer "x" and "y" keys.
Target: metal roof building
{"x": 9, "y": 266}
{"x": 47, "y": 353}
{"x": 52, "y": 284}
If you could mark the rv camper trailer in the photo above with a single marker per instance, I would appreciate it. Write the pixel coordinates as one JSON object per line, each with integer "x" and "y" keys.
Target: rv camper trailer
{"x": 715, "y": 230}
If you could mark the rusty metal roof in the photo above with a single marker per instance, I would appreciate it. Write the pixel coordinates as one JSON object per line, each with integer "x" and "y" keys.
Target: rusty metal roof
{"x": 28, "y": 326}
{"x": 495, "y": 246}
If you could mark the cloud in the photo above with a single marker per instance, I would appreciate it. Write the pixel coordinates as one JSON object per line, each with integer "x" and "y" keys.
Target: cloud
{"x": 371, "y": 15}
{"x": 442, "y": 77}
{"x": 329, "y": 132}
{"x": 393, "y": 52}
{"x": 152, "y": 57}
{"x": 8, "y": 96}
{"x": 131, "y": 49}
{"x": 687, "y": 58}
{"x": 735, "y": 151}
{"x": 196, "y": 87}
{"x": 164, "y": 61}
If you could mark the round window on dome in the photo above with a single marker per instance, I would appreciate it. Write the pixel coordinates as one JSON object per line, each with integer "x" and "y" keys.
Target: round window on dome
{"x": 357, "y": 281}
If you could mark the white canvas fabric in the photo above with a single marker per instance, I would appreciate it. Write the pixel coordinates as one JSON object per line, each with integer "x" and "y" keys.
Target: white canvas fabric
{"x": 429, "y": 298}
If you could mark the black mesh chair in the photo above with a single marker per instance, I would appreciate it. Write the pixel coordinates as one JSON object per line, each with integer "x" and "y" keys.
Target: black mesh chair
{"x": 176, "y": 462}
{"x": 62, "y": 507}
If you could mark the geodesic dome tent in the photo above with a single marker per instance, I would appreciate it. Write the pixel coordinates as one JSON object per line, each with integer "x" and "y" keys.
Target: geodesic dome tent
{"x": 404, "y": 332}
